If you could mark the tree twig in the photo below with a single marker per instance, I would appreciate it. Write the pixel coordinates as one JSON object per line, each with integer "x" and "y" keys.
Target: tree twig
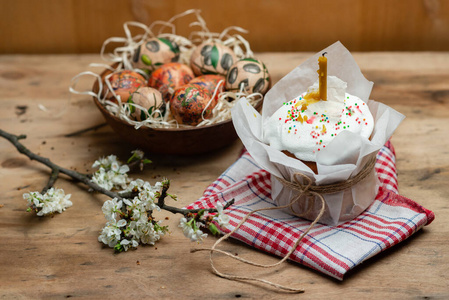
{"x": 184, "y": 211}
{"x": 86, "y": 178}
{"x": 47, "y": 162}
{"x": 161, "y": 198}
{"x": 51, "y": 181}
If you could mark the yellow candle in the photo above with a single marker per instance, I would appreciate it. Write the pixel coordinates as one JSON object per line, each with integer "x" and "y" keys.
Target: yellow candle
{"x": 322, "y": 73}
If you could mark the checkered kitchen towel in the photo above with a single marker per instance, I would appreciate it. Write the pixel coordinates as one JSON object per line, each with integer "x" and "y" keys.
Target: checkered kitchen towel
{"x": 332, "y": 250}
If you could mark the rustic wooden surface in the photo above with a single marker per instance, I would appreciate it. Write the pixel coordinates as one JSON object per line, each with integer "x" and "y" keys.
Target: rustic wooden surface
{"x": 73, "y": 26}
{"x": 60, "y": 257}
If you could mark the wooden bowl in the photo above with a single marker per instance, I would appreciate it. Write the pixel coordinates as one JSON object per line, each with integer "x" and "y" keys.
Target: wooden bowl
{"x": 178, "y": 141}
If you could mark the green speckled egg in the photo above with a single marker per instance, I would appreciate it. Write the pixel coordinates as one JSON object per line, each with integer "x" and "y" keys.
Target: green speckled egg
{"x": 212, "y": 58}
{"x": 155, "y": 52}
{"x": 250, "y": 73}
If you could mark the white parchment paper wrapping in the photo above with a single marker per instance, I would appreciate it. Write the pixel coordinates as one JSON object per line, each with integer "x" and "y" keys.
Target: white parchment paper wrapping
{"x": 343, "y": 158}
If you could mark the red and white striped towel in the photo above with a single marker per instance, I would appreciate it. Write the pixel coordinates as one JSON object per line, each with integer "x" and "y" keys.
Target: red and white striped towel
{"x": 332, "y": 250}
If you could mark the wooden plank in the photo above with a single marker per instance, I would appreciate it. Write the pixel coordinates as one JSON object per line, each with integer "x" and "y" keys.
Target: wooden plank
{"x": 61, "y": 257}
{"x": 71, "y": 26}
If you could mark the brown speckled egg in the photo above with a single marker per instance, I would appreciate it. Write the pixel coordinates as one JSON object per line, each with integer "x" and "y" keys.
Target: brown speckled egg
{"x": 210, "y": 82}
{"x": 148, "y": 98}
{"x": 169, "y": 77}
{"x": 124, "y": 83}
{"x": 155, "y": 52}
{"x": 188, "y": 103}
{"x": 212, "y": 58}
{"x": 251, "y": 73}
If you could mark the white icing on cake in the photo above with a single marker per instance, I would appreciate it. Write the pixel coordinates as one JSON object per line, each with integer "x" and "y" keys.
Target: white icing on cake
{"x": 306, "y": 132}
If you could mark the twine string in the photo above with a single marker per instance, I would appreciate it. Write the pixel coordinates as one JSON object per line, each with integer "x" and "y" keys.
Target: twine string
{"x": 303, "y": 192}
{"x": 306, "y": 190}
{"x": 339, "y": 186}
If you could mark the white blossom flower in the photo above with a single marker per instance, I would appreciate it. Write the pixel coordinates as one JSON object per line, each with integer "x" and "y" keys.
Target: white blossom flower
{"x": 111, "y": 173}
{"x": 138, "y": 154}
{"x": 108, "y": 236}
{"x": 110, "y": 208}
{"x": 221, "y": 218}
{"x": 129, "y": 222}
{"x": 115, "y": 166}
{"x": 118, "y": 179}
{"x": 147, "y": 233}
{"x": 125, "y": 243}
{"x": 119, "y": 169}
{"x": 53, "y": 200}
{"x": 124, "y": 235}
{"x": 135, "y": 184}
{"x": 120, "y": 223}
{"x": 111, "y": 233}
{"x": 185, "y": 226}
{"x": 198, "y": 236}
{"x": 146, "y": 193}
{"x": 32, "y": 198}
{"x": 129, "y": 244}
{"x": 101, "y": 162}
{"x": 101, "y": 178}
{"x": 191, "y": 231}
{"x": 105, "y": 162}
{"x": 137, "y": 208}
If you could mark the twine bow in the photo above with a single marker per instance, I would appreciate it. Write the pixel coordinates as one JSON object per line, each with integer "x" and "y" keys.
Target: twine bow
{"x": 305, "y": 188}
{"x": 328, "y": 188}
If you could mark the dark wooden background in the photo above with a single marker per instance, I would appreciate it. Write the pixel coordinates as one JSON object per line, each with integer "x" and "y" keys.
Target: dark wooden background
{"x": 81, "y": 26}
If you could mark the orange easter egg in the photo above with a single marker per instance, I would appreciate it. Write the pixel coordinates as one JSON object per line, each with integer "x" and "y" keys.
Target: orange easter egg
{"x": 189, "y": 102}
{"x": 124, "y": 83}
{"x": 210, "y": 83}
{"x": 170, "y": 77}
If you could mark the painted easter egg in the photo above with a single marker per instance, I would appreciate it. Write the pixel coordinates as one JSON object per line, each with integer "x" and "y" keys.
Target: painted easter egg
{"x": 212, "y": 58}
{"x": 188, "y": 103}
{"x": 169, "y": 77}
{"x": 210, "y": 83}
{"x": 146, "y": 98}
{"x": 124, "y": 83}
{"x": 155, "y": 52}
{"x": 250, "y": 73}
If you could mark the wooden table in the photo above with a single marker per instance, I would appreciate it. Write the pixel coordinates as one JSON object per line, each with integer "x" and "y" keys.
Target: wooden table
{"x": 60, "y": 257}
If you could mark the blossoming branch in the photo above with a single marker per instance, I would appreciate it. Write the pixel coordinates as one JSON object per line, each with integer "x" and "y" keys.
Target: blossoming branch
{"x": 129, "y": 212}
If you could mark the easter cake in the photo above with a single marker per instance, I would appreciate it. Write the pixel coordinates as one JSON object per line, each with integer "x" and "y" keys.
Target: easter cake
{"x": 319, "y": 139}
{"x": 302, "y": 127}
